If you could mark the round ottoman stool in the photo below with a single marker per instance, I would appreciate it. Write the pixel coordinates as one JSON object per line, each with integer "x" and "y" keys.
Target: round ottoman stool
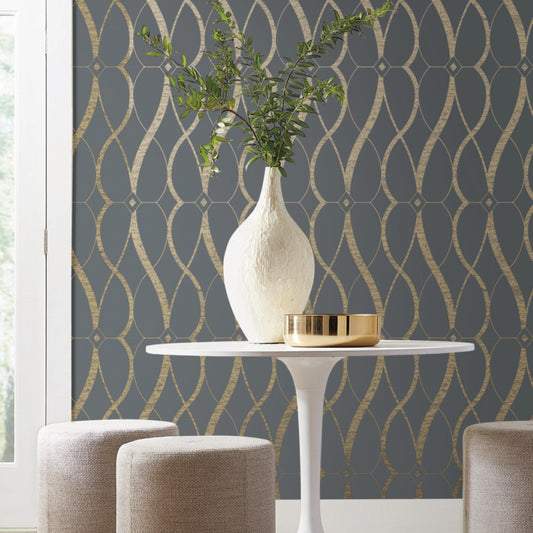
{"x": 211, "y": 484}
{"x": 498, "y": 477}
{"x": 77, "y": 483}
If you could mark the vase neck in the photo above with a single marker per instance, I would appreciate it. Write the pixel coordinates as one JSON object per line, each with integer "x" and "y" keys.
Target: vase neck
{"x": 271, "y": 196}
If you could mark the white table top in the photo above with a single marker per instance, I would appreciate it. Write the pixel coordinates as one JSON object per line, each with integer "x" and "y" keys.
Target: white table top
{"x": 247, "y": 349}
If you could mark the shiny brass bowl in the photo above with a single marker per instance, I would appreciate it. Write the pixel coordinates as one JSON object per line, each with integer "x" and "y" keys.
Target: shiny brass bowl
{"x": 332, "y": 330}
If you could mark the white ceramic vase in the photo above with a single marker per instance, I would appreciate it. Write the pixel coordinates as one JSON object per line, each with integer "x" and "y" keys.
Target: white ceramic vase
{"x": 268, "y": 266}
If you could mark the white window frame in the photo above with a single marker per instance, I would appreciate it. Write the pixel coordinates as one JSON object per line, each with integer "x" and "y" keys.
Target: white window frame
{"x": 43, "y": 375}
{"x": 59, "y": 104}
{"x": 29, "y": 295}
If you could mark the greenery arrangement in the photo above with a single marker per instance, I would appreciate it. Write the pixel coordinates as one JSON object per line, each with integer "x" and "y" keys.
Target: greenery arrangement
{"x": 276, "y": 106}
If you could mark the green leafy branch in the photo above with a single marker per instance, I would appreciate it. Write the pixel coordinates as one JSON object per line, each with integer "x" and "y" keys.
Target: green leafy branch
{"x": 277, "y": 105}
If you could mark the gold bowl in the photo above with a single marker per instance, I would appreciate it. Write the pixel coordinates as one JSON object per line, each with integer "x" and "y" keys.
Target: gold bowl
{"x": 332, "y": 330}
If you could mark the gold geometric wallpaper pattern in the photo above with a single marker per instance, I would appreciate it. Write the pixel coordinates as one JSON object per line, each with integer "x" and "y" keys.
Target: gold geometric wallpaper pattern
{"x": 416, "y": 194}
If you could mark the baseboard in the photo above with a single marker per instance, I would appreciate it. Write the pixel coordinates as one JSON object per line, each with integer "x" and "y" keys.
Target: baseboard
{"x": 18, "y": 530}
{"x": 370, "y": 516}
{"x": 378, "y": 516}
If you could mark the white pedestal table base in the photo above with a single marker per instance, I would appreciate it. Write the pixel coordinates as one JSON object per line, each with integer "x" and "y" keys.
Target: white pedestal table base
{"x": 310, "y": 377}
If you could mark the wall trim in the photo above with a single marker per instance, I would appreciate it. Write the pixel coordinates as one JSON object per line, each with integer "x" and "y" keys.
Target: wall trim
{"x": 378, "y": 516}
{"x": 59, "y": 105}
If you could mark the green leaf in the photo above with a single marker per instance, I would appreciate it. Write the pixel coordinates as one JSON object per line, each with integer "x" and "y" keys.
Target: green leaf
{"x": 171, "y": 79}
{"x": 300, "y": 123}
{"x": 153, "y": 54}
{"x": 251, "y": 160}
{"x": 184, "y": 60}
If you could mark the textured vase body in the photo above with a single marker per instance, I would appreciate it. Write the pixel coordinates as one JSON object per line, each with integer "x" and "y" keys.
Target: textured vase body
{"x": 268, "y": 266}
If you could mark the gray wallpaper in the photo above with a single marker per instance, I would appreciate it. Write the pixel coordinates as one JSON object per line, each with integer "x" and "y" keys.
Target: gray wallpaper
{"x": 416, "y": 195}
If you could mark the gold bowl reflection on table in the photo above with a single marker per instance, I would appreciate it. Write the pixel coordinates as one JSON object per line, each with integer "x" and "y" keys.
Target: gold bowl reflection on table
{"x": 332, "y": 330}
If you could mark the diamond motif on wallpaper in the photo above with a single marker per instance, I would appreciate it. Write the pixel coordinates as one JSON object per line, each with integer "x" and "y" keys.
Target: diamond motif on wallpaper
{"x": 381, "y": 201}
{"x": 132, "y": 202}
{"x": 490, "y": 337}
{"x": 488, "y": 202}
{"x": 523, "y": 202}
{"x": 419, "y": 65}
{"x": 238, "y": 336}
{"x": 96, "y": 202}
{"x": 453, "y": 336}
{"x": 168, "y": 336}
{"x": 167, "y": 67}
{"x": 382, "y": 66}
{"x": 167, "y": 202}
{"x": 490, "y": 66}
{"x": 417, "y": 202}
{"x": 203, "y": 202}
{"x": 452, "y": 201}
{"x": 96, "y": 338}
{"x": 96, "y": 66}
{"x": 453, "y": 66}
{"x": 524, "y": 338}
{"x": 346, "y": 202}
{"x": 525, "y": 66}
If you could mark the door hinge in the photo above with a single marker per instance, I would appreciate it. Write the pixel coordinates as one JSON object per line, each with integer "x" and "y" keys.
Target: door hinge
{"x": 45, "y": 241}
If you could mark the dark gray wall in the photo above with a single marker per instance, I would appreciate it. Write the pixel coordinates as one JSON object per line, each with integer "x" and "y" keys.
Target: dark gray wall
{"x": 417, "y": 198}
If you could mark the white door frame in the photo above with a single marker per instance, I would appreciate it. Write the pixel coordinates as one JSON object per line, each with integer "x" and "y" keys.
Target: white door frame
{"x": 59, "y": 104}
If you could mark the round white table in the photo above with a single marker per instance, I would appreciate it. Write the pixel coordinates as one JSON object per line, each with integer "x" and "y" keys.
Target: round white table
{"x": 310, "y": 369}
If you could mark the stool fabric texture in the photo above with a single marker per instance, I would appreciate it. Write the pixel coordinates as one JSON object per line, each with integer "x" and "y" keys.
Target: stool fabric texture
{"x": 77, "y": 481}
{"x": 498, "y": 477}
{"x": 197, "y": 484}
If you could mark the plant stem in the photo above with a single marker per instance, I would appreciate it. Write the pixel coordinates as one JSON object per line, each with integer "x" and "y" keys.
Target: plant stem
{"x": 226, "y": 109}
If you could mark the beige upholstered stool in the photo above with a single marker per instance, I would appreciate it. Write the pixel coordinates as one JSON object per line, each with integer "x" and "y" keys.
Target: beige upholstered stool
{"x": 213, "y": 484}
{"x": 498, "y": 477}
{"x": 77, "y": 471}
